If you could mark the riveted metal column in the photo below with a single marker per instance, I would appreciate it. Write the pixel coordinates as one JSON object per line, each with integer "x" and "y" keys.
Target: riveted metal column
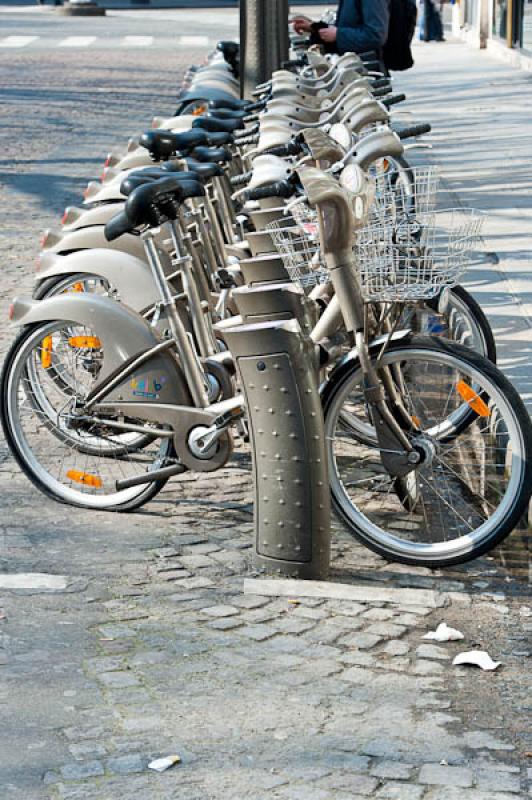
{"x": 276, "y": 363}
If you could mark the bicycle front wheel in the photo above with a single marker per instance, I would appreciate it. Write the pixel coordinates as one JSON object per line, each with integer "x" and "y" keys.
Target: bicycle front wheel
{"x": 73, "y": 460}
{"x": 473, "y": 484}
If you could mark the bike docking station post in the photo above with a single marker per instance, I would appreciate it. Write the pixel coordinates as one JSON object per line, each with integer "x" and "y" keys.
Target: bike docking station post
{"x": 263, "y": 41}
{"x": 277, "y": 364}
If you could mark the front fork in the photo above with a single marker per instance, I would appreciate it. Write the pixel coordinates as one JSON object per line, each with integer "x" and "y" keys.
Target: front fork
{"x": 398, "y": 455}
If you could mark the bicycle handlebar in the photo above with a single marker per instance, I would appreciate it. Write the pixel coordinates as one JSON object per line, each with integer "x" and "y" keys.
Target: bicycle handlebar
{"x": 414, "y": 130}
{"x": 393, "y": 99}
{"x": 277, "y": 189}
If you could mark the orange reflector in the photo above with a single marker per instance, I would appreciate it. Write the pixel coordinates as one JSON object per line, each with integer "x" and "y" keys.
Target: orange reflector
{"x": 85, "y": 478}
{"x": 78, "y": 287}
{"x": 89, "y": 342}
{"x": 416, "y": 421}
{"x": 46, "y": 352}
{"x": 197, "y": 112}
{"x": 472, "y": 399}
{"x": 64, "y": 217}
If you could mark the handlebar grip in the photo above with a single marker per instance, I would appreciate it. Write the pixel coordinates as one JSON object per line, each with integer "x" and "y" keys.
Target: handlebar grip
{"x": 414, "y": 130}
{"x": 293, "y": 148}
{"x": 248, "y": 132}
{"x": 256, "y": 106}
{"x": 248, "y": 140}
{"x": 117, "y": 226}
{"x": 294, "y": 62}
{"x": 241, "y": 180}
{"x": 381, "y": 83}
{"x": 277, "y": 189}
{"x": 381, "y": 91}
{"x": 393, "y": 99}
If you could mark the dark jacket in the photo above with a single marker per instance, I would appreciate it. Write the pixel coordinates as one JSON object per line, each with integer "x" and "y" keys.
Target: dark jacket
{"x": 362, "y": 25}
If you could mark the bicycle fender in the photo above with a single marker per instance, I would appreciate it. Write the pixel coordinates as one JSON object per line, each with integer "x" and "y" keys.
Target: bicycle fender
{"x": 124, "y": 336}
{"x": 76, "y": 218}
{"x": 93, "y": 237}
{"x": 375, "y": 345}
{"x": 128, "y": 275}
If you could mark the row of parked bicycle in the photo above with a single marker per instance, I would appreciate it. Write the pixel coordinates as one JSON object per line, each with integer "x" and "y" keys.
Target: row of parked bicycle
{"x": 299, "y": 204}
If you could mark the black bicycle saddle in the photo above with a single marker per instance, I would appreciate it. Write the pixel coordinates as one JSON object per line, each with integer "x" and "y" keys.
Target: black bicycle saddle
{"x": 162, "y": 144}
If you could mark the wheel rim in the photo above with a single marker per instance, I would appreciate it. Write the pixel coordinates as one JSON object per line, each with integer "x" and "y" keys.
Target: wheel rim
{"x": 60, "y": 459}
{"x": 381, "y": 519}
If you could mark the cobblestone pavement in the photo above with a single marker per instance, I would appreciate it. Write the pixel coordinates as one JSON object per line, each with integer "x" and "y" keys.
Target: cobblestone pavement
{"x": 150, "y": 647}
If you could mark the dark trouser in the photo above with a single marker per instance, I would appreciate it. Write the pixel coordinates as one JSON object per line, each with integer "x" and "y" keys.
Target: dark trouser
{"x": 431, "y": 28}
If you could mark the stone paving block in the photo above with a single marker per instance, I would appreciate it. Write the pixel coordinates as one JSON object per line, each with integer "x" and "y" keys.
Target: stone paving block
{"x": 226, "y": 624}
{"x": 195, "y": 583}
{"x": 393, "y": 770}
{"x": 359, "y": 658}
{"x": 290, "y": 624}
{"x": 81, "y": 770}
{"x": 362, "y": 641}
{"x": 485, "y": 740}
{"x": 199, "y": 549}
{"x": 396, "y": 648}
{"x": 450, "y": 793}
{"x": 250, "y": 601}
{"x": 400, "y": 791}
{"x": 379, "y": 614}
{"x": 432, "y": 651}
{"x": 118, "y": 680}
{"x": 357, "y": 675}
{"x": 86, "y": 749}
{"x": 197, "y": 562}
{"x": 495, "y": 781}
{"x": 422, "y": 667}
{"x": 310, "y": 612}
{"x": 258, "y": 633}
{"x": 444, "y": 775}
{"x": 363, "y": 785}
{"x": 220, "y": 611}
{"x": 125, "y": 765}
{"x": 387, "y": 630}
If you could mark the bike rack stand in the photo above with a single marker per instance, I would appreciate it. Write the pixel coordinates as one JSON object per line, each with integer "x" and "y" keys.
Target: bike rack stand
{"x": 277, "y": 366}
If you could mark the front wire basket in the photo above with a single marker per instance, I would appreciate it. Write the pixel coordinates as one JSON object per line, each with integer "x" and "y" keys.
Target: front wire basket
{"x": 418, "y": 255}
{"x": 407, "y": 251}
{"x": 299, "y": 246}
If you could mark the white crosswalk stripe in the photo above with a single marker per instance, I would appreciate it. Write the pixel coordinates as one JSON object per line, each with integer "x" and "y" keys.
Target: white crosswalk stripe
{"x": 77, "y": 41}
{"x": 137, "y": 41}
{"x": 105, "y": 43}
{"x": 17, "y": 41}
{"x": 194, "y": 41}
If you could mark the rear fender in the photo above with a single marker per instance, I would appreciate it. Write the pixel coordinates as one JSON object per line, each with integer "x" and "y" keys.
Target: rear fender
{"x": 90, "y": 238}
{"x": 76, "y": 218}
{"x": 124, "y": 335}
{"x": 128, "y": 275}
{"x": 138, "y": 158}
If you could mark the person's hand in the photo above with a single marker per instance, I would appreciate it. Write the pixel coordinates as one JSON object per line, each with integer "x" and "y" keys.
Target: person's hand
{"x": 301, "y": 24}
{"x": 328, "y": 35}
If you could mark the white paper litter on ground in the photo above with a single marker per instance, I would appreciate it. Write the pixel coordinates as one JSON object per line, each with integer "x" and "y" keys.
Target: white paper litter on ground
{"x": 478, "y": 658}
{"x": 444, "y": 634}
{"x": 160, "y": 764}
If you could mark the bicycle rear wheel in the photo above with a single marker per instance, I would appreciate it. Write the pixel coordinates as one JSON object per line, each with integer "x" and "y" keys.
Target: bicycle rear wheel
{"x": 474, "y": 483}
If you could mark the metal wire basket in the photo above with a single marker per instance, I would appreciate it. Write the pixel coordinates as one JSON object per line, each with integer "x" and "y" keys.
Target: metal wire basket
{"x": 299, "y": 248}
{"x": 407, "y": 251}
{"x": 417, "y": 255}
